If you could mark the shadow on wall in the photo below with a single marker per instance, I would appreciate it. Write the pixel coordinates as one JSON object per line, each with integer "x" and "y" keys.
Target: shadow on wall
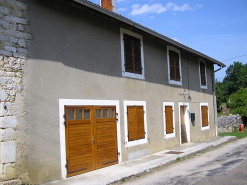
{"x": 85, "y": 40}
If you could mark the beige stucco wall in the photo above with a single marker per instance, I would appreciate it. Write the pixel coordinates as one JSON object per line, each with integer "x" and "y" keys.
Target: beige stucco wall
{"x": 76, "y": 54}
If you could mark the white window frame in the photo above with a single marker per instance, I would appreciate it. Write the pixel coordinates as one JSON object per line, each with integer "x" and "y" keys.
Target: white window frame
{"x": 168, "y": 62}
{"x": 164, "y": 119}
{"x": 199, "y": 63}
{"x": 84, "y": 102}
{"x": 128, "y": 74}
{"x": 140, "y": 141}
{"x": 207, "y": 127}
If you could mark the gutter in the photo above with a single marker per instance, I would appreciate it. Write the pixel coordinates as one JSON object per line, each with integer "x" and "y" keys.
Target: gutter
{"x": 214, "y": 100}
{"x": 144, "y": 29}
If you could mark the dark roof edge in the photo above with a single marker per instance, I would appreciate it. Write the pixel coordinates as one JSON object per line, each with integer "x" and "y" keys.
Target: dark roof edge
{"x": 145, "y": 29}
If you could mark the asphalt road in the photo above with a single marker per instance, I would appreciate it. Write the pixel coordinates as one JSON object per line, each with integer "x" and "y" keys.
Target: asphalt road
{"x": 225, "y": 165}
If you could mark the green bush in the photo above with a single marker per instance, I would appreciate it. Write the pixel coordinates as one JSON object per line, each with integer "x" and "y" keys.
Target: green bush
{"x": 237, "y": 102}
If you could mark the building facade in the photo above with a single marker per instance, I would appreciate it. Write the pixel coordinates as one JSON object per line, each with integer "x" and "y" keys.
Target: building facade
{"x": 96, "y": 90}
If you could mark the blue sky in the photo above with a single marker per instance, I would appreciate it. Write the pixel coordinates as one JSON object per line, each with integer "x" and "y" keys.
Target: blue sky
{"x": 217, "y": 28}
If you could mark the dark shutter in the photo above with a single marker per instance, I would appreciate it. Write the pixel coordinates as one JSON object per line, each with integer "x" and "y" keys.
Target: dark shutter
{"x": 169, "y": 119}
{"x": 132, "y": 54}
{"x": 204, "y": 110}
{"x": 174, "y": 66}
{"x": 203, "y": 75}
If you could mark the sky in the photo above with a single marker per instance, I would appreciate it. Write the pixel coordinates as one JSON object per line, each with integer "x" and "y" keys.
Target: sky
{"x": 217, "y": 28}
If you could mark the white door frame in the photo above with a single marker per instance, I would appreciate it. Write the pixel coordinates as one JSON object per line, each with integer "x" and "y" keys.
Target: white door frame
{"x": 83, "y": 102}
{"x": 187, "y": 120}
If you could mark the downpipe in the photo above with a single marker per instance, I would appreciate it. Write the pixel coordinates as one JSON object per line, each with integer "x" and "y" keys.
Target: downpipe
{"x": 214, "y": 100}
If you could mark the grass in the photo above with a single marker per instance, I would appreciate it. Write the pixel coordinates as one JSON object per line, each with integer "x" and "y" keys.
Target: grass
{"x": 238, "y": 134}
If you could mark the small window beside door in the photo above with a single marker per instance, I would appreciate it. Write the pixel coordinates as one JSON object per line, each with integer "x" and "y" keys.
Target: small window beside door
{"x": 204, "y": 116}
{"x": 168, "y": 115}
{"x": 135, "y": 123}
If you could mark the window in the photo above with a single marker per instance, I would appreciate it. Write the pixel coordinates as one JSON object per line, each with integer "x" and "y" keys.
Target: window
{"x": 135, "y": 123}
{"x": 204, "y": 116}
{"x": 203, "y": 74}
{"x": 174, "y": 66}
{"x": 168, "y": 114}
{"x": 132, "y": 54}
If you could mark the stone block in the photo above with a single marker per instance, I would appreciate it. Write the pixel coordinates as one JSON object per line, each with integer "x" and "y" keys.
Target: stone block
{"x": 3, "y": 95}
{"x": 6, "y": 53}
{"x": 22, "y": 43}
{"x": 8, "y": 152}
{"x": 7, "y": 134}
{"x": 16, "y": 19}
{"x": 9, "y": 171}
{"x": 3, "y": 37}
{"x": 1, "y": 172}
{"x": 19, "y": 55}
{"x": 3, "y": 111}
{"x": 22, "y": 50}
{"x": 16, "y": 5}
{"x": 8, "y": 122}
{"x": 13, "y": 39}
{"x": 10, "y": 48}
{"x": 4, "y": 10}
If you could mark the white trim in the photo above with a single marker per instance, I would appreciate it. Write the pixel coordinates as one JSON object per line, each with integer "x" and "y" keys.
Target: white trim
{"x": 128, "y": 74}
{"x": 62, "y": 103}
{"x": 199, "y": 63}
{"x": 207, "y": 127}
{"x": 168, "y": 64}
{"x": 164, "y": 118}
{"x": 187, "y": 120}
{"x": 136, "y": 142}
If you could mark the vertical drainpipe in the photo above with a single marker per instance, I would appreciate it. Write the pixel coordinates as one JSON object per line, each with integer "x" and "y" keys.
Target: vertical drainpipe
{"x": 214, "y": 100}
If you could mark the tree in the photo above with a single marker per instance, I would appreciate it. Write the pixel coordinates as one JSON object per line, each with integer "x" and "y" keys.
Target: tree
{"x": 238, "y": 102}
{"x": 235, "y": 79}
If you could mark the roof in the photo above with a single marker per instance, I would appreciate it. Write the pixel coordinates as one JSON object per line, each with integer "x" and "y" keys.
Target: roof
{"x": 145, "y": 29}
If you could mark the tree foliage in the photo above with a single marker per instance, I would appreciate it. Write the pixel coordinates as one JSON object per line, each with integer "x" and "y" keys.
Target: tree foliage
{"x": 238, "y": 102}
{"x": 235, "y": 79}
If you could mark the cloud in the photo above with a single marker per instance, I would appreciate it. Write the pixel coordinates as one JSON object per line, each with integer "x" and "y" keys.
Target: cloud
{"x": 144, "y": 9}
{"x": 158, "y": 8}
{"x": 121, "y": 9}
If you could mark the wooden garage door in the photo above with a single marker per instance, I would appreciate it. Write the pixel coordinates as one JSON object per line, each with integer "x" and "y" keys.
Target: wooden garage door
{"x": 91, "y": 138}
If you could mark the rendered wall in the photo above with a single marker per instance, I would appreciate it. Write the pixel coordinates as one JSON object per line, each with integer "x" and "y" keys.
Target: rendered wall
{"x": 76, "y": 54}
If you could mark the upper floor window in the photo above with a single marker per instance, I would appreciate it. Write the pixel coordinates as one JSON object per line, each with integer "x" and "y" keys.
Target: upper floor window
{"x": 203, "y": 75}
{"x": 132, "y": 54}
{"x": 174, "y": 66}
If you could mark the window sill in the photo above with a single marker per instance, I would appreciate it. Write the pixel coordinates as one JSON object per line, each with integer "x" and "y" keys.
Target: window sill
{"x": 175, "y": 82}
{"x": 205, "y": 128}
{"x": 167, "y": 136}
{"x": 204, "y": 87}
{"x": 137, "y": 142}
{"x": 133, "y": 75}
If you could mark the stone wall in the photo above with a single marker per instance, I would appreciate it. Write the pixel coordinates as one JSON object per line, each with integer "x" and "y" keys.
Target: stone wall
{"x": 13, "y": 55}
{"x": 227, "y": 123}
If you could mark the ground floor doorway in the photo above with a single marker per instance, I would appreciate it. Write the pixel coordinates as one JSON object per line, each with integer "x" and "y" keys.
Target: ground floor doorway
{"x": 91, "y": 138}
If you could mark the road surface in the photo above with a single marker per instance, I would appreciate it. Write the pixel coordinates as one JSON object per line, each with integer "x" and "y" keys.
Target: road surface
{"x": 225, "y": 165}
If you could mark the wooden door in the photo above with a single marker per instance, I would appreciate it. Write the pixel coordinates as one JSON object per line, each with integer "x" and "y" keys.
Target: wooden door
{"x": 79, "y": 145}
{"x": 91, "y": 138}
{"x": 183, "y": 126}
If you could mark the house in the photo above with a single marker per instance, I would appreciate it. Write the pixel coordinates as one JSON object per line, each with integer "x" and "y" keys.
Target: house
{"x": 83, "y": 88}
